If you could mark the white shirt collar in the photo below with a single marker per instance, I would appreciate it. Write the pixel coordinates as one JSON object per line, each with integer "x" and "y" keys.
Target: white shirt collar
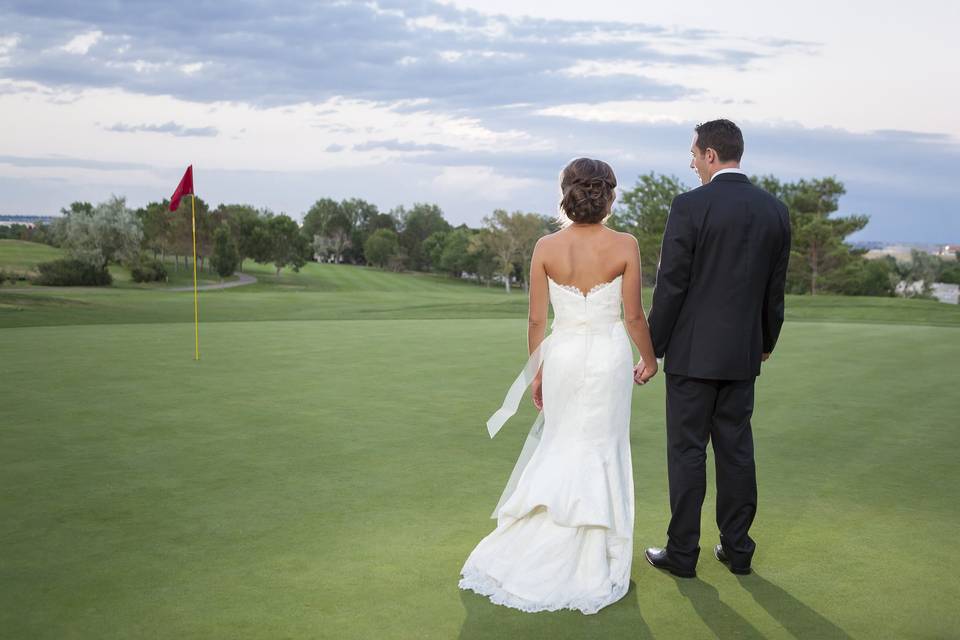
{"x": 730, "y": 170}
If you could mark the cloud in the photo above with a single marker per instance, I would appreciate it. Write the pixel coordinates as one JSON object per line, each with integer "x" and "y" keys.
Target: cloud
{"x": 70, "y": 162}
{"x": 7, "y": 45}
{"x": 81, "y": 44}
{"x": 905, "y": 186}
{"x": 473, "y": 111}
{"x": 172, "y": 128}
{"x": 480, "y": 182}
{"x": 285, "y": 53}
{"x": 396, "y": 145}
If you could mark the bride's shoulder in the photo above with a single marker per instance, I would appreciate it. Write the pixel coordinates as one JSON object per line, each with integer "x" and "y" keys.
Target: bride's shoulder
{"x": 550, "y": 238}
{"x": 623, "y": 237}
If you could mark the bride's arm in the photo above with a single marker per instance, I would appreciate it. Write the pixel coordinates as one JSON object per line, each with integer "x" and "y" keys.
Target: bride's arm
{"x": 537, "y": 315}
{"x": 539, "y": 299}
{"x": 634, "y": 319}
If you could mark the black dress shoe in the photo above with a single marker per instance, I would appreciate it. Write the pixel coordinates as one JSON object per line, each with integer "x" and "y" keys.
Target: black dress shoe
{"x": 658, "y": 558}
{"x": 722, "y": 557}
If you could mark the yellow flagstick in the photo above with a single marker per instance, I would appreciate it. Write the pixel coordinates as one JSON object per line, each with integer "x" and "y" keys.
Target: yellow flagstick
{"x": 196, "y": 314}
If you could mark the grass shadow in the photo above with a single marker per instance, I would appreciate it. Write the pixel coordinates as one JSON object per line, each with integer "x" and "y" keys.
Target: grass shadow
{"x": 796, "y": 617}
{"x": 486, "y": 620}
{"x": 722, "y": 619}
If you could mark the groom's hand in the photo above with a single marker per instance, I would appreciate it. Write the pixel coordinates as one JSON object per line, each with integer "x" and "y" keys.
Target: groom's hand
{"x": 764, "y": 357}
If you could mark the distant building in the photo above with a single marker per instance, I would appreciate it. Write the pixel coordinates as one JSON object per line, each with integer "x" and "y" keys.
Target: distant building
{"x": 901, "y": 251}
{"x": 949, "y": 293}
{"x": 9, "y": 220}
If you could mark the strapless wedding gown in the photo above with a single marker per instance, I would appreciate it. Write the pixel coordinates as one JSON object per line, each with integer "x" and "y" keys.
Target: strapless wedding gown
{"x": 564, "y": 535}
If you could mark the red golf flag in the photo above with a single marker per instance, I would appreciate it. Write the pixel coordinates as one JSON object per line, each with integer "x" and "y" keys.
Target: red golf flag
{"x": 185, "y": 187}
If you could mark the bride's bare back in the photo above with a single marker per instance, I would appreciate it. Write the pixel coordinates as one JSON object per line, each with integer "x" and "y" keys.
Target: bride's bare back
{"x": 586, "y": 255}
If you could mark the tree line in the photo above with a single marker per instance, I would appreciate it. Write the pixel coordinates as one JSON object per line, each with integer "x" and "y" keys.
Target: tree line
{"x": 821, "y": 259}
{"x": 419, "y": 238}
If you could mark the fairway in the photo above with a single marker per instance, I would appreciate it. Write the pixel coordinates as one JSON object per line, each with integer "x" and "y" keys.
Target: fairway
{"x": 325, "y": 469}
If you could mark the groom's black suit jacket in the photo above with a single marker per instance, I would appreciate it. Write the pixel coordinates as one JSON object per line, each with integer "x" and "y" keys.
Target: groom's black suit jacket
{"x": 718, "y": 300}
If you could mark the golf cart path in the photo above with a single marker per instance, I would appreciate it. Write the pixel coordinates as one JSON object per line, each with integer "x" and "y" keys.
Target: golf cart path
{"x": 242, "y": 279}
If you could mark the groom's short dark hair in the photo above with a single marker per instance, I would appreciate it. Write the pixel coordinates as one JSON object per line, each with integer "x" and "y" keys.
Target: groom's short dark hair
{"x": 723, "y": 136}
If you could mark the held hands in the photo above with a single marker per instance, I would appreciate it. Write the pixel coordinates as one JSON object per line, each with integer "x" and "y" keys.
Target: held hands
{"x": 642, "y": 372}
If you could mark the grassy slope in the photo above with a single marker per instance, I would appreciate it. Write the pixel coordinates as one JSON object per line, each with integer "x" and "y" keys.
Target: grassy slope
{"x": 22, "y": 257}
{"x": 326, "y": 292}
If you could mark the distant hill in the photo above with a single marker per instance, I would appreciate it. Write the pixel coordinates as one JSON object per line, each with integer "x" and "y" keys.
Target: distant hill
{"x": 18, "y": 255}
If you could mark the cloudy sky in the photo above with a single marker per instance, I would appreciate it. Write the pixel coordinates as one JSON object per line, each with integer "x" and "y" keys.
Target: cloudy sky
{"x": 474, "y": 104}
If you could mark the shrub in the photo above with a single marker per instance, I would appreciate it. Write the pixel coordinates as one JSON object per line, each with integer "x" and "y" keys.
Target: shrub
{"x": 72, "y": 273}
{"x": 145, "y": 270}
{"x": 226, "y": 257}
{"x": 950, "y": 273}
{"x": 862, "y": 277}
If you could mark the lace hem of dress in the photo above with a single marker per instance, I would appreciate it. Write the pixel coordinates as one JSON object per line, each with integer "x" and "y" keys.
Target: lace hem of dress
{"x": 482, "y": 584}
{"x": 579, "y": 292}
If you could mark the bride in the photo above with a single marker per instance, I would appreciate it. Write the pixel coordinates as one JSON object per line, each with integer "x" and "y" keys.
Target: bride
{"x": 564, "y": 535}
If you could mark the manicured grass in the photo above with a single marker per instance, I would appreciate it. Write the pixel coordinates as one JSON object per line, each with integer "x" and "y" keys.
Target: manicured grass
{"x": 327, "y": 479}
{"x": 324, "y": 470}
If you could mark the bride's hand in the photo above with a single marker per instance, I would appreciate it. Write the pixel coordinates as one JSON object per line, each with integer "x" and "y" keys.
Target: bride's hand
{"x": 537, "y": 386}
{"x": 642, "y": 372}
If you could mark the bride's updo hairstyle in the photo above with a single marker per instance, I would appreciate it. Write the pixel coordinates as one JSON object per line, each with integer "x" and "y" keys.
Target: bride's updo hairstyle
{"x": 587, "y": 191}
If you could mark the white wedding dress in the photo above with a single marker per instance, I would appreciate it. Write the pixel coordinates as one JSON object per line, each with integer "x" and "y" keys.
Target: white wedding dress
{"x": 564, "y": 535}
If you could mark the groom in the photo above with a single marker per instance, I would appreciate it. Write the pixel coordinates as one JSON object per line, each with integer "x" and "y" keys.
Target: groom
{"x": 716, "y": 314}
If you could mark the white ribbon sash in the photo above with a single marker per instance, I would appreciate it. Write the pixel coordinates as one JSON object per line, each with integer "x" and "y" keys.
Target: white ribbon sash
{"x": 509, "y": 407}
{"x": 515, "y": 394}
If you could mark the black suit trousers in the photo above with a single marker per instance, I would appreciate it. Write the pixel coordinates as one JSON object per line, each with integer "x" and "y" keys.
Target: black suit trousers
{"x": 698, "y": 411}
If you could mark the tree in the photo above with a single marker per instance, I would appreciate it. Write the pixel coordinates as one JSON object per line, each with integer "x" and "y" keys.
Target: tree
{"x": 181, "y": 229}
{"x": 315, "y": 220}
{"x": 862, "y": 277}
{"x": 365, "y": 217}
{"x": 455, "y": 258}
{"x": 260, "y": 244}
{"x": 922, "y": 268}
{"x": 482, "y": 261}
{"x": 285, "y": 245}
{"x": 496, "y": 236}
{"x": 433, "y": 248}
{"x": 527, "y": 228}
{"x": 416, "y": 225}
{"x": 818, "y": 245}
{"x": 156, "y": 221}
{"x": 643, "y": 212}
{"x": 225, "y": 256}
{"x": 109, "y": 233}
{"x": 339, "y": 230}
{"x": 950, "y": 273}
{"x": 380, "y": 246}
{"x": 58, "y": 229}
{"x": 243, "y": 220}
